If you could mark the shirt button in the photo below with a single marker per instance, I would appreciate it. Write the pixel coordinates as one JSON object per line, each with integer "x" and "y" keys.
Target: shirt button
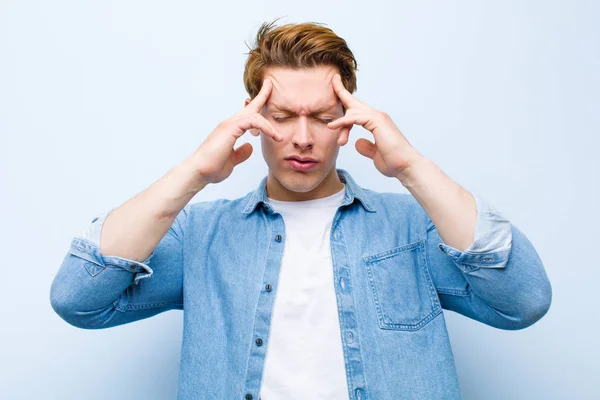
{"x": 278, "y": 238}
{"x": 268, "y": 287}
{"x": 259, "y": 342}
{"x": 248, "y": 396}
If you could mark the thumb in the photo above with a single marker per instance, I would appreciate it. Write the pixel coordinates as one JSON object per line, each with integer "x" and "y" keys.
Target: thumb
{"x": 366, "y": 148}
{"x": 242, "y": 153}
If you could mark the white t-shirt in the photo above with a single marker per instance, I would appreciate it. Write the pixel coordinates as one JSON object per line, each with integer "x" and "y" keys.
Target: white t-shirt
{"x": 304, "y": 358}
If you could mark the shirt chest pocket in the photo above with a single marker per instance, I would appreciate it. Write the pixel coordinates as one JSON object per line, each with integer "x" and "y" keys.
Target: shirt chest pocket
{"x": 403, "y": 292}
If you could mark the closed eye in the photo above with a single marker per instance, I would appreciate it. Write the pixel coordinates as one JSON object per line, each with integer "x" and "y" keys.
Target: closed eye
{"x": 322, "y": 120}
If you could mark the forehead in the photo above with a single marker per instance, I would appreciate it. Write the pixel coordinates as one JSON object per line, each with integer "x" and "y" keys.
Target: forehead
{"x": 302, "y": 90}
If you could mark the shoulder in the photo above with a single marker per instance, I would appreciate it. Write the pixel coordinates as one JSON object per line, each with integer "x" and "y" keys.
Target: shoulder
{"x": 220, "y": 206}
{"x": 391, "y": 201}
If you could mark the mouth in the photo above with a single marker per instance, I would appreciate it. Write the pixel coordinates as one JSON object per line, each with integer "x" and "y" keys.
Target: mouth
{"x": 301, "y": 163}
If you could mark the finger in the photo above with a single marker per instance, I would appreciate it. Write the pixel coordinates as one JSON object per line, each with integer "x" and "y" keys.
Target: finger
{"x": 366, "y": 148}
{"x": 241, "y": 154}
{"x": 344, "y": 135}
{"x": 261, "y": 98}
{"x": 349, "y": 119}
{"x": 257, "y": 121}
{"x": 345, "y": 96}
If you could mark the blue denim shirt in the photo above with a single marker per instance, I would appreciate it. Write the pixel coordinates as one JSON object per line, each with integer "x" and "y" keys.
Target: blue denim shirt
{"x": 393, "y": 277}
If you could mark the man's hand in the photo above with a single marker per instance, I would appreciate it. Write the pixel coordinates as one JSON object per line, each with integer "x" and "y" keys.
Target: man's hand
{"x": 391, "y": 153}
{"x": 215, "y": 159}
{"x": 451, "y": 208}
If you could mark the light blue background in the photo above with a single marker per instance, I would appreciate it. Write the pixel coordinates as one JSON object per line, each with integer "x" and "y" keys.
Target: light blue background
{"x": 99, "y": 99}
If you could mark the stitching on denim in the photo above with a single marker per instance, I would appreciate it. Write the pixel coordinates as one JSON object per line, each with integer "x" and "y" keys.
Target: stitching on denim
{"x": 468, "y": 268}
{"x": 455, "y": 292}
{"x": 432, "y": 228}
{"x": 266, "y": 258}
{"x": 131, "y": 307}
{"x": 382, "y": 255}
{"x": 342, "y": 325}
{"x": 419, "y": 247}
{"x": 433, "y": 293}
{"x": 414, "y": 327}
{"x": 89, "y": 264}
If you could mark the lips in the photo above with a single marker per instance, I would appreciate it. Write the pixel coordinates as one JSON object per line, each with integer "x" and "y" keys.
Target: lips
{"x": 301, "y": 159}
{"x": 297, "y": 164}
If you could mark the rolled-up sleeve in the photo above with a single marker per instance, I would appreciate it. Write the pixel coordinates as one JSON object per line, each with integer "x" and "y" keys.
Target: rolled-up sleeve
{"x": 94, "y": 229}
{"x": 499, "y": 280}
{"x": 492, "y": 242}
{"x": 89, "y": 251}
{"x": 87, "y": 247}
{"x": 93, "y": 291}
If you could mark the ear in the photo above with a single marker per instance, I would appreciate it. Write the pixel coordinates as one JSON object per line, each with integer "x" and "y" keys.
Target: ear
{"x": 247, "y": 102}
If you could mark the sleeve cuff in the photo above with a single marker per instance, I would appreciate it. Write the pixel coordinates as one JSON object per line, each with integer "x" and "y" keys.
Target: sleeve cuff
{"x": 94, "y": 229}
{"x": 90, "y": 252}
{"x": 492, "y": 243}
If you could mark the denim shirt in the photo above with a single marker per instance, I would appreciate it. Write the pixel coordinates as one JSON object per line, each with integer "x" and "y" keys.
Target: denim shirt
{"x": 393, "y": 277}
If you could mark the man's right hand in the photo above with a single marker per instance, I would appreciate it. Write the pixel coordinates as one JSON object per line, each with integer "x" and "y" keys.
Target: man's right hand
{"x": 215, "y": 159}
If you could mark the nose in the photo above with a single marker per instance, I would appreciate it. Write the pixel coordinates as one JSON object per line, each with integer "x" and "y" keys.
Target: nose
{"x": 302, "y": 137}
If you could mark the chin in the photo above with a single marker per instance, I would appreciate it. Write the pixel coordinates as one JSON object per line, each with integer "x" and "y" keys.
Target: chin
{"x": 300, "y": 182}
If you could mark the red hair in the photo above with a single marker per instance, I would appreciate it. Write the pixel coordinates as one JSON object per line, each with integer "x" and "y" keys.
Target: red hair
{"x": 303, "y": 45}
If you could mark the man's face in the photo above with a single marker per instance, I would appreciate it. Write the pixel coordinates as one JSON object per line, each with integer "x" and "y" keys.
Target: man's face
{"x": 301, "y": 104}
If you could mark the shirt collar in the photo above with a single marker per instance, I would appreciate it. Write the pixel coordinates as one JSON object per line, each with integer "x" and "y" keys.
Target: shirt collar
{"x": 352, "y": 191}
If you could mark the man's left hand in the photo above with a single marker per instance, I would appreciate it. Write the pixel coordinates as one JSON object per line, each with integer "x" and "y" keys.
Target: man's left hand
{"x": 391, "y": 153}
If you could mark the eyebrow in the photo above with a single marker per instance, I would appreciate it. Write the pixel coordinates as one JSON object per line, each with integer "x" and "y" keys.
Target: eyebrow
{"x": 319, "y": 111}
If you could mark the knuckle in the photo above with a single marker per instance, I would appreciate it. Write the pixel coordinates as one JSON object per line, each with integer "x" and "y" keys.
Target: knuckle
{"x": 256, "y": 118}
{"x": 242, "y": 118}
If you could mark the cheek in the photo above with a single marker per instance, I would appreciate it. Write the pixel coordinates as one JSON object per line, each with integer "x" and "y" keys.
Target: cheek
{"x": 264, "y": 144}
{"x": 331, "y": 135}
{"x": 269, "y": 146}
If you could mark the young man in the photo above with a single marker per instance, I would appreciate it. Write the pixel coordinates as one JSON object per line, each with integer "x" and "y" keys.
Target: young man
{"x": 311, "y": 286}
